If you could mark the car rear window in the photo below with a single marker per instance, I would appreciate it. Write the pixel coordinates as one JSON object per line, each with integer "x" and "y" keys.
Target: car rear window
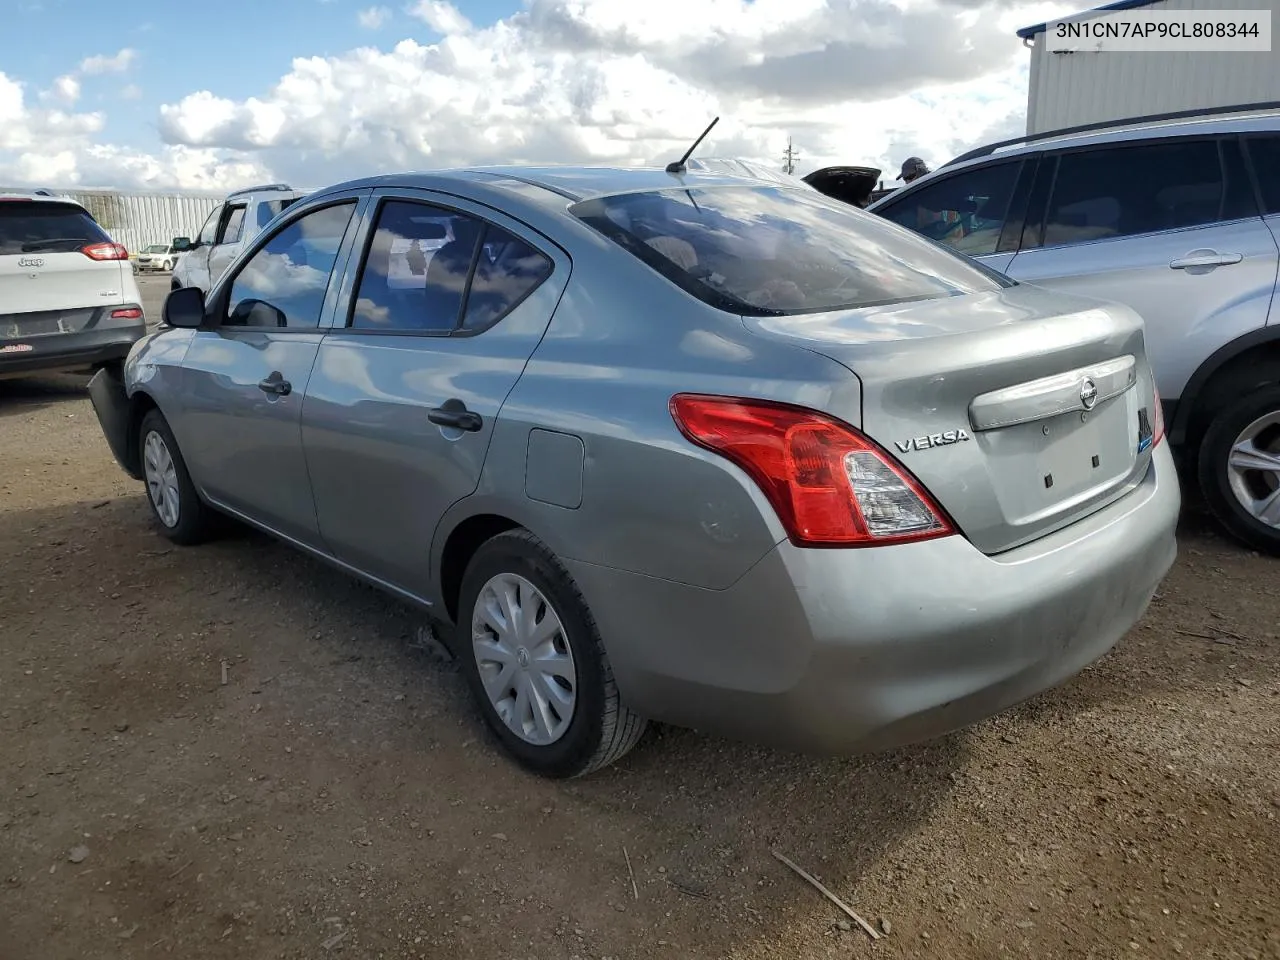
{"x": 31, "y": 226}
{"x": 771, "y": 250}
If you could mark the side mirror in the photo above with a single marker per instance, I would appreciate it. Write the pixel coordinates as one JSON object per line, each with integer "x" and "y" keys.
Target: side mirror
{"x": 257, "y": 313}
{"x": 181, "y": 244}
{"x": 184, "y": 307}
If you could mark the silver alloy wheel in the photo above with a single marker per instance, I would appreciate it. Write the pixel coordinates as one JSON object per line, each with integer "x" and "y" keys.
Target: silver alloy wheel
{"x": 1253, "y": 470}
{"x": 525, "y": 662}
{"x": 162, "y": 479}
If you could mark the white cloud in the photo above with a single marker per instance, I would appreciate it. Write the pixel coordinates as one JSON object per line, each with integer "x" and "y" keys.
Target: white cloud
{"x": 131, "y": 92}
{"x": 102, "y": 63}
{"x": 441, "y": 16}
{"x": 65, "y": 89}
{"x": 851, "y": 81}
{"x": 373, "y": 18}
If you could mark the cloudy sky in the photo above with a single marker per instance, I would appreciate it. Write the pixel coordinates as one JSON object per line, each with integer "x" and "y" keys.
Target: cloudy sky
{"x": 211, "y": 95}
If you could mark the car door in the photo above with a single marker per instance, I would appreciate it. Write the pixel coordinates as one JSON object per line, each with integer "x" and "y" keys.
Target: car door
{"x": 976, "y": 211}
{"x": 195, "y": 262}
{"x": 449, "y": 302}
{"x": 1264, "y": 151}
{"x": 1170, "y": 228}
{"x": 245, "y": 376}
{"x": 229, "y": 241}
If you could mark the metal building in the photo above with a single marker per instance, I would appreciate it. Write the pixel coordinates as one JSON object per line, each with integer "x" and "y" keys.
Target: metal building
{"x": 1068, "y": 89}
{"x": 140, "y": 219}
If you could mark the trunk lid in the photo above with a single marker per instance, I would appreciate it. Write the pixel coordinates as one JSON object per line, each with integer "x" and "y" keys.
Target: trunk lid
{"x": 1020, "y": 410}
{"x": 853, "y": 185}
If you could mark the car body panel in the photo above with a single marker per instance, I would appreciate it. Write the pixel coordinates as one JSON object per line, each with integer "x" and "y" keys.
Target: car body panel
{"x": 838, "y": 650}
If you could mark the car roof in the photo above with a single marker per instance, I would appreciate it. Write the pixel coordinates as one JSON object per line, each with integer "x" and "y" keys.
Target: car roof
{"x": 38, "y": 197}
{"x": 556, "y": 184}
{"x": 1260, "y": 119}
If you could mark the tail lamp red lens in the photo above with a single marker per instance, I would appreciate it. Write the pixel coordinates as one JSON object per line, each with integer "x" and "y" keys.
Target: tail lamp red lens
{"x": 105, "y": 251}
{"x": 830, "y": 485}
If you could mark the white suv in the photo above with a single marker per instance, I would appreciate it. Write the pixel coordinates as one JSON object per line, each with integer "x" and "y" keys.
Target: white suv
{"x": 68, "y": 299}
{"x": 231, "y": 225}
{"x": 1177, "y": 216}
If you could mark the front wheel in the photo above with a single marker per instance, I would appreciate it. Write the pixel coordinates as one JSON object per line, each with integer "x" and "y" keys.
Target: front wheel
{"x": 175, "y": 505}
{"x": 535, "y": 662}
{"x": 1239, "y": 468}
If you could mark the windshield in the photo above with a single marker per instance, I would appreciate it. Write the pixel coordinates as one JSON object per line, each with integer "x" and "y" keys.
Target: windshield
{"x": 156, "y": 248}
{"x": 772, "y": 250}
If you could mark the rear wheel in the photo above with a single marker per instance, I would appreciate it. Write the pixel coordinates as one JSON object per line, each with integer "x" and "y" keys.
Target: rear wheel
{"x": 176, "y": 506}
{"x": 535, "y": 662}
{"x": 1239, "y": 467}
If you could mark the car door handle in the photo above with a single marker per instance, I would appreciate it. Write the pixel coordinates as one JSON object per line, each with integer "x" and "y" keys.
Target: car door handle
{"x": 276, "y": 384}
{"x": 455, "y": 414}
{"x": 1207, "y": 260}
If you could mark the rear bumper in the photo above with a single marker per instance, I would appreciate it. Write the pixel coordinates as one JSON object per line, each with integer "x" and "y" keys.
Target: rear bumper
{"x": 69, "y": 351}
{"x": 111, "y": 404}
{"x": 836, "y": 651}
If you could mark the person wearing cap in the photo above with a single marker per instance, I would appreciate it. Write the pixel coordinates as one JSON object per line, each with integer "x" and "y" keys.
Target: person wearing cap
{"x": 912, "y": 167}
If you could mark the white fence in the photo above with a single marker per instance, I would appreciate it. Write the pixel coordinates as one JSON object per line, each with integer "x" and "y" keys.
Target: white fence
{"x": 140, "y": 219}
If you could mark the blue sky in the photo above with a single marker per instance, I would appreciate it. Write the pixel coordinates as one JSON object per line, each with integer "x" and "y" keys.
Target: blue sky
{"x": 202, "y": 44}
{"x": 209, "y": 94}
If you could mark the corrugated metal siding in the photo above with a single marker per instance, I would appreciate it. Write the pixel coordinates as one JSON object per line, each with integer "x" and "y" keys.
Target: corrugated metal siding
{"x": 137, "y": 220}
{"x": 1075, "y": 88}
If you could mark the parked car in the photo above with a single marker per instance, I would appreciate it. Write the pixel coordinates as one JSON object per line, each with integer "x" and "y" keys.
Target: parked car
{"x": 68, "y": 299}
{"x": 1175, "y": 216}
{"x": 231, "y": 225}
{"x": 692, "y": 448}
{"x": 158, "y": 256}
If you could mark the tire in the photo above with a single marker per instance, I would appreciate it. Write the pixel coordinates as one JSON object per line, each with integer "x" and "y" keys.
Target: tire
{"x": 593, "y": 731}
{"x": 193, "y": 521}
{"x": 1226, "y": 488}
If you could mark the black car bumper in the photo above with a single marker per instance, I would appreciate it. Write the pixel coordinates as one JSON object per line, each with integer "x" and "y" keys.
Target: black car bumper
{"x": 68, "y": 351}
{"x": 115, "y": 414}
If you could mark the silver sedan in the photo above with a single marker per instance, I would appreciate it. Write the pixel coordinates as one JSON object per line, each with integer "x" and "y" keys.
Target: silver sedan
{"x": 680, "y": 447}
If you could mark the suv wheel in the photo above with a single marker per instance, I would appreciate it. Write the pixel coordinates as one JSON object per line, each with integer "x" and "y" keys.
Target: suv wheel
{"x": 174, "y": 503}
{"x": 534, "y": 660}
{"x": 1240, "y": 468}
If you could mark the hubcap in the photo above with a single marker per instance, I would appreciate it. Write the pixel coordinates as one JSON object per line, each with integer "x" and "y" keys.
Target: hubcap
{"x": 1253, "y": 469}
{"x": 525, "y": 662}
{"x": 162, "y": 478}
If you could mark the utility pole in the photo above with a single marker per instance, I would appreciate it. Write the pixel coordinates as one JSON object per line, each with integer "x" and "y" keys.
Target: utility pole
{"x": 790, "y": 156}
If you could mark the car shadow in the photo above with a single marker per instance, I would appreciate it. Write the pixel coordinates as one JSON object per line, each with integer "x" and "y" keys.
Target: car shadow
{"x": 20, "y": 394}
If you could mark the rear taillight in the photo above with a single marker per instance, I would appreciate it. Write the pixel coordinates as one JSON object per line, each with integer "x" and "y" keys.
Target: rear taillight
{"x": 830, "y": 485}
{"x": 105, "y": 251}
{"x": 126, "y": 313}
{"x": 1157, "y": 418}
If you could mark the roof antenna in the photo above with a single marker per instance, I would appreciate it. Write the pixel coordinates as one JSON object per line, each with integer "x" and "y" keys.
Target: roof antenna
{"x": 678, "y": 166}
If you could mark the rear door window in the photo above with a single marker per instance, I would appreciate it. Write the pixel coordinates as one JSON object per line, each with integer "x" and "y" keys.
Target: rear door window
{"x": 1122, "y": 191}
{"x": 965, "y": 211}
{"x": 771, "y": 250}
{"x": 42, "y": 226}
{"x": 434, "y": 270}
{"x": 1265, "y": 153}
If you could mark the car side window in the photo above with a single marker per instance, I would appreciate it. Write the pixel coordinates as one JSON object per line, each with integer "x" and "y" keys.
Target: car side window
{"x": 507, "y": 270}
{"x": 234, "y": 225}
{"x": 1123, "y": 191}
{"x": 283, "y": 284}
{"x": 965, "y": 211}
{"x": 209, "y": 232}
{"x": 1265, "y": 153}
{"x": 437, "y": 271}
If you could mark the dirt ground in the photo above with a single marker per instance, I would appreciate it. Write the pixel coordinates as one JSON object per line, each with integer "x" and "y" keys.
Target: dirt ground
{"x": 339, "y": 797}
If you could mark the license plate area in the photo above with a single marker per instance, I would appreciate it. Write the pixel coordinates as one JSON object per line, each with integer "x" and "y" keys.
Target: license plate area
{"x": 1057, "y": 464}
